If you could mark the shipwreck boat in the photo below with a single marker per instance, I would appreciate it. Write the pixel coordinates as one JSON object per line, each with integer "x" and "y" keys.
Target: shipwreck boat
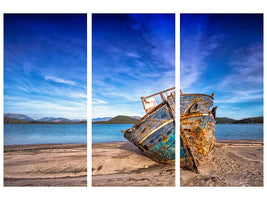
{"x": 154, "y": 133}
{"x": 197, "y": 129}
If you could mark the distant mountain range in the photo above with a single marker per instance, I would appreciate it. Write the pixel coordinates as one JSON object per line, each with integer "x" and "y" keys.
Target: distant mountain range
{"x": 219, "y": 120}
{"x": 252, "y": 120}
{"x": 52, "y": 119}
{"x": 104, "y": 119}
{"x": 8, "y": 120}
{"x": 12, "y": 118}
{"x": 120, "y": 119}
{"x": 101, "y": 119}
{"x": 19, "y": 116}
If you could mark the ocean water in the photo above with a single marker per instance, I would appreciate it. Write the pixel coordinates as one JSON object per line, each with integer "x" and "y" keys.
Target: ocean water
{"x": 239, "y": 132}
{"x": 77, "y": 133}
{"x": 45, "y": 134}
{"x": 111, "y": 132}
{"x": 108, "y": 132}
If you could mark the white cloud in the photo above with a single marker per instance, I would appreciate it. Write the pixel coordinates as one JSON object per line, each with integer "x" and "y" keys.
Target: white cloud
{"x": 38, "y": 108}
{"x": 112, "y": 111}
{"x": 119, "y": 75}
{"x": 59, "y": 80}
{"x": 247, "y": 69}
{"x": 195, "y": 48}
{"x": 78, "y": 95}
{"x": 239, "y": 99}
{"x": 98, "y": 101}
{"x": 132, "y": 54}
{"x": 234, "y": 108}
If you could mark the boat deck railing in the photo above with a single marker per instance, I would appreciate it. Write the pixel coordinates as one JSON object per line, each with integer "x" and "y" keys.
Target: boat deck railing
{"x": 149, "y": 102}
{"x": 182, "y": 94}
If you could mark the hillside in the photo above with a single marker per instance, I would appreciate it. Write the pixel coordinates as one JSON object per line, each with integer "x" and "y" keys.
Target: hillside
{"x": 52, "y": 119}
{"x": 101, "y": 119}
{"x": 8, "y": 120}
{"x": 224, "y": 120}
{"x": 252, "y": 120}
{"x": 18, "y": 116}
{"x": 120, "y": 119}
{"x": 13, "y": 118}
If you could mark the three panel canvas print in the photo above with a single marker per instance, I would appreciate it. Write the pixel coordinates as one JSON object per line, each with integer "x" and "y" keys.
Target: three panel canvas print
{"x": 134, "y": 107}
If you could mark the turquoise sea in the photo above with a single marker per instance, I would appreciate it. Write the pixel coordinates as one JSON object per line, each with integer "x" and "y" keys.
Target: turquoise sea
{"x": 239, "y": 132}
{"x": 77, "y": 133}
{"x": 111, "y": 132}
{"x": 108, "y": 132}
{"x": 45, "y": 134}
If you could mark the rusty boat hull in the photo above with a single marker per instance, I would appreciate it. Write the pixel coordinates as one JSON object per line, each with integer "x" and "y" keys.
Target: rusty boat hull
{"x": 197, "y": 129}
{"x": 154, "y": 133}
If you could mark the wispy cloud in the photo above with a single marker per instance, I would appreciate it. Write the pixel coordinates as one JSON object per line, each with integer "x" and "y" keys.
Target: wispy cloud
{"x": 244, "y": 82}
{"x": 132, "y": 54}
{"x": 196, "y": 45}
{"x": 49, "y": 106}
{"x": 246, "y": 68}
{"x": 136, "y": 61}
{"x": 223, "y": 54}
{"x": 239, "y": 97}
{"x": 98, "y": 101}
{"x": 78, "y": 95}
{"x": 45, "y": 64}
{"x": 112, "y": 110}
{"x": 234, "y": 108}
{"x": 59, "y": 80}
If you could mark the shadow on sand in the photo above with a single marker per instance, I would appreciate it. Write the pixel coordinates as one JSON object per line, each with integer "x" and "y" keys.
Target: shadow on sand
{"x": 130, "y": 147}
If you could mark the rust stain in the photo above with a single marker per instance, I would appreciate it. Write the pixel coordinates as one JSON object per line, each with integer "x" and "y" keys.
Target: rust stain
{"x": 154, "y": 134}
{"x": 197, "y": 129}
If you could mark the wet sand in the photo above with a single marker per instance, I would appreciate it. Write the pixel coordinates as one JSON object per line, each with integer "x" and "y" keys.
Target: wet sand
{"x": 122, "y": 164}
{"x": 231, "y": 163}
{"x": 45, "y": 165}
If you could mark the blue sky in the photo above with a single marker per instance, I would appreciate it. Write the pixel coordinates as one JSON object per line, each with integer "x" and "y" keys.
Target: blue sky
{"x": 223, "y": 54}
{"x": 132, "y": 56}
{"x": 45, "y": 65}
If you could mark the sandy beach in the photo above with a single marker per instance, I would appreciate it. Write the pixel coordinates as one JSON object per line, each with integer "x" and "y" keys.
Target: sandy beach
{"x": 45, "y": 165}
{"x": 231, "y": 163}
{"x": 122, "y": 164}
